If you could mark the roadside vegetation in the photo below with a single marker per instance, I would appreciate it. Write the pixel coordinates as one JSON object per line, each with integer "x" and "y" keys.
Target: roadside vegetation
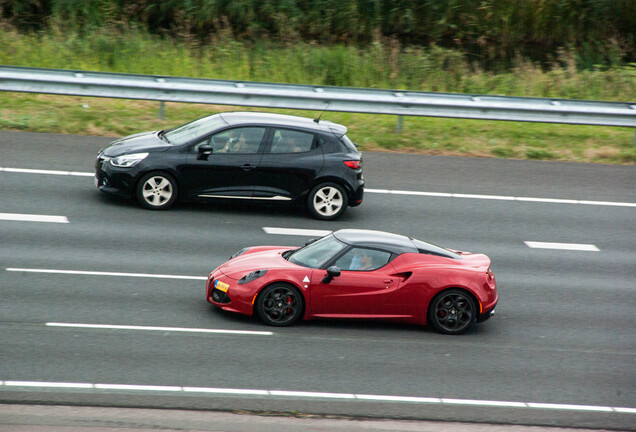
{"x": 459, "y": 46}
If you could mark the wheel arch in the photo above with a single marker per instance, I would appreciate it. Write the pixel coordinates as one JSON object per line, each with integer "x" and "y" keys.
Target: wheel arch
{"x": 331, "y": 179}
{"x": 279, "y": 282}
{"x": 171, "y": 172}
{"x": 472, "y": 295}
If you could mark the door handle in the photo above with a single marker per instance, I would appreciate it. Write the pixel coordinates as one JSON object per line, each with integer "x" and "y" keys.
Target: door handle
{"x": 388, "y": 280}
{"x": 247, "y": 167}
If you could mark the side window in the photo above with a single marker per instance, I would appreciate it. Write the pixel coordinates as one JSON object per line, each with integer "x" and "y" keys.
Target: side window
{"x": 238, "y": 140}
{"x": 291, "y": 141}
{"x": 361, "y": 259}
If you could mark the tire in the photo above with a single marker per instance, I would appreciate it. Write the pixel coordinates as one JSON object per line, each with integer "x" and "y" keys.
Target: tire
{"x": 452, "y": 312}
{"x": 280, "y": 305}
{"x": 327, "y": 201}
{"x": 157, "y": 191}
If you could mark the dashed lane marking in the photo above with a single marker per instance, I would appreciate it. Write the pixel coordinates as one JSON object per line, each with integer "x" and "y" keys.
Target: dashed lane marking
{"x": 562, "y": 246}
{"x": 296, "y": 232}
{"x": 20, "y": 217}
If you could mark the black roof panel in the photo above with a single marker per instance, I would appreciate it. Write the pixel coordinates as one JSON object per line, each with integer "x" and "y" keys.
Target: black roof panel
{"x": 239, "y": 117}
{"x": 395, "y": 243}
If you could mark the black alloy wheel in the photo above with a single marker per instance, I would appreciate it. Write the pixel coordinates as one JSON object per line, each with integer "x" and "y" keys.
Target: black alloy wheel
{"x": 452, "y": 312}
{"x": 157, "y": 191}
{"x": 327, "y": 201}
{"x": 280, "y": 305}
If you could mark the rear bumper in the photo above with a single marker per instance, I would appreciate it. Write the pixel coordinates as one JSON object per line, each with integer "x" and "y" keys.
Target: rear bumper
{"x": 356, "y": 197}
{"x": 487, "y": 314}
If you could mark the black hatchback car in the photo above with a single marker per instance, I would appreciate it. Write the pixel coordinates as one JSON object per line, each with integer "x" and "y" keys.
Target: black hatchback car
{"x": 238, "y": 155}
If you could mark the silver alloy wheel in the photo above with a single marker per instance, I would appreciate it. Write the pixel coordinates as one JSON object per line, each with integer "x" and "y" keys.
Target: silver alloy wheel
{"x": 157, "y": 190}
{"x": 328, "y": 201}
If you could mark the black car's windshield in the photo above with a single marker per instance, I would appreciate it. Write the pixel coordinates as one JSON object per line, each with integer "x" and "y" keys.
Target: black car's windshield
{"x": 189, "y": 131}
{"x": 318, "y": 253}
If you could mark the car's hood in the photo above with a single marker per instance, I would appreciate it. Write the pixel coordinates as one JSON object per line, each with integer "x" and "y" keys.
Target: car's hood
{"x": 137, "y": 143}
{"x": 261, "y": 259}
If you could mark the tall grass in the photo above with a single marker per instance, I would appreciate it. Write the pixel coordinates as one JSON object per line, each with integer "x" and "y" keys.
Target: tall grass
{"x": 385, "y": 64}
{"x": 491, "y": 33}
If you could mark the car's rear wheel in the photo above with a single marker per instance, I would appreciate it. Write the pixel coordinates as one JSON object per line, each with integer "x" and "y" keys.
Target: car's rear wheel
{"x": 280, "y": 305}
{"x": 157, "y": 191}
{"x": 452, "y": 312}
{"x": 327, "y": 201}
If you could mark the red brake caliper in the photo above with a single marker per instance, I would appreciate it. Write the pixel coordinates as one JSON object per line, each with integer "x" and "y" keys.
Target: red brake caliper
{"x": 289, "y": 301}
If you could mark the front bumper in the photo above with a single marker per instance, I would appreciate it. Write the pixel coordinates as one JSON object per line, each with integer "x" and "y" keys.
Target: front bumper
{"x": 113, "y": 180}
{"x": 228, "y": 294}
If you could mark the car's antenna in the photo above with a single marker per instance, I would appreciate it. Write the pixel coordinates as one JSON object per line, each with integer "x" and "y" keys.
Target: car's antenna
{"x": 317, "y": 120}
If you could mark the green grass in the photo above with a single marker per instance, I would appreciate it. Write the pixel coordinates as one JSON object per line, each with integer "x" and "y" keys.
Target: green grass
{"x": 379, "y": 66}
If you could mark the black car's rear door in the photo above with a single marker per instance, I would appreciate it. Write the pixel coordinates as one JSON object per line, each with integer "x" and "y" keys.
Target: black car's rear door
{"x": 290, "y": 163}
{"x": 231, "y": 171}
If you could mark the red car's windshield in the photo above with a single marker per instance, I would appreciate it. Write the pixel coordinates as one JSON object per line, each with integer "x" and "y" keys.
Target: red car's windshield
{"x": 317, "y": 253}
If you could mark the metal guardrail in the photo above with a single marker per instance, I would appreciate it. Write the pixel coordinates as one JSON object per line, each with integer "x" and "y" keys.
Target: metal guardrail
{"x": 317, "y": 98}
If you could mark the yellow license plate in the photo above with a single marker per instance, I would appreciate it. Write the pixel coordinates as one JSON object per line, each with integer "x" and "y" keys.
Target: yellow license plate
{"x": 221, "y": 286}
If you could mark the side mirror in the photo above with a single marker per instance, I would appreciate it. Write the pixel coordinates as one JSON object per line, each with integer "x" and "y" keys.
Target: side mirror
{"x": 204, "y": 151}
{"x": 332, "y": 272}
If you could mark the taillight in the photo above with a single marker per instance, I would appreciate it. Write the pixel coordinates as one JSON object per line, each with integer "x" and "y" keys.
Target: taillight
{"x": 353, "y": 164}
{"x": 491, "y": 275}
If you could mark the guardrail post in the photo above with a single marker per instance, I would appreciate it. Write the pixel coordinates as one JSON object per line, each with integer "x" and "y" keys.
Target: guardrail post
{"x": 398, "y": 128}
{"x": 162, "y": 107}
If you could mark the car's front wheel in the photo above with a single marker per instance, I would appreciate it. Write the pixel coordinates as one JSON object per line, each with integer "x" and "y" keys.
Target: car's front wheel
{"x": 156, "y": 191}
{"x": 452, "y": 312}
{"x": 280, "y": 305}
{"x": 327, "y": 201}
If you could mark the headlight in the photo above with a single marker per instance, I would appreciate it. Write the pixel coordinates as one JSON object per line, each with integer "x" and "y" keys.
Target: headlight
{"x": 252, "y": 276}
{"x": 129, "y": 160}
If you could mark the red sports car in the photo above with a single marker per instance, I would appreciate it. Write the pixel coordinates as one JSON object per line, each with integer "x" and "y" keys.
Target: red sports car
{"x": 358, "y": 274}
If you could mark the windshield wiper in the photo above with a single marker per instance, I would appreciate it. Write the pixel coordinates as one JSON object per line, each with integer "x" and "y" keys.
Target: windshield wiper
{"x": 162, "y": 135}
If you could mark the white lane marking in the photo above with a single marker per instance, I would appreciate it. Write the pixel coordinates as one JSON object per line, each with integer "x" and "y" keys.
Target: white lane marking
{"x": 100, "y": 273}
{"x": 19, "y": 217}
{"x": 320, "y": 395}
{"x": 625, "y": 410}
{"x": 47, "y": 172}
{"x": 302, "y": 394}
{"x": 383, "y": 398}
{"x": 163, "y": 329}
{"x": 569, "y": 407}
{"x": 562, "y": 246}
{"x": 226, "y": 391}
{"x": 475, "y": 402}
{"x": 501, "y": 198}
{"x": 138, "y": 387}
{"x": 383, "y": 191}
{"x": 47, "y": 384}
{"x": 296, "y": 232}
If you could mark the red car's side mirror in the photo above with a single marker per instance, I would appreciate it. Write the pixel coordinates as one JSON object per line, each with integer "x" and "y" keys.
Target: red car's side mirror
{"x": 332, "y": 272}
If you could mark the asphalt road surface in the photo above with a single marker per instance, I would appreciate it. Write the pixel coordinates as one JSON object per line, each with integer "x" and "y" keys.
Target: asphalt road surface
{"x": 102, "y": 303}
